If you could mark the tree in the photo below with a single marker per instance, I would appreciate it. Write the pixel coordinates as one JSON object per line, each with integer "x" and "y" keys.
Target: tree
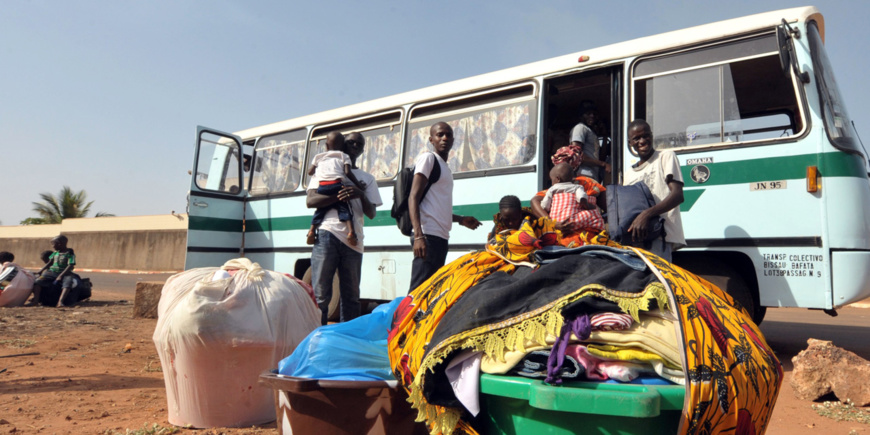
{"x": 67, "y": 204}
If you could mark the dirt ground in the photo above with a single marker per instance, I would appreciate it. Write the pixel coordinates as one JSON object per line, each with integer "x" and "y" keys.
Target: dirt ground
{"x": 84, "y": 381}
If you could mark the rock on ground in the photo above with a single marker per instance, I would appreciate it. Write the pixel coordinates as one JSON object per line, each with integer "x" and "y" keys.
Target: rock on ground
{"x": 823, "y": 368}
{"x": 147, "y": 298}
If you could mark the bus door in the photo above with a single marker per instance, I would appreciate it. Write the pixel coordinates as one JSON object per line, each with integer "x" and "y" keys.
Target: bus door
{"x": 568, "y": 99}
{"x": 216, "y": 204}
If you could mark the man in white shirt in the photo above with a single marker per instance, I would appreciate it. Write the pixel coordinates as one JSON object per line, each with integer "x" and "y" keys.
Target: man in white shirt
{"x": 332, "y": 251}
{"x": 660, "y": 171}
{"x": 432, "y": 216}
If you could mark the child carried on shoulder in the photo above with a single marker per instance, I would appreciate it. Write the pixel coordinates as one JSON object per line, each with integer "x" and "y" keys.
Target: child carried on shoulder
{"x": 333, "y": 171}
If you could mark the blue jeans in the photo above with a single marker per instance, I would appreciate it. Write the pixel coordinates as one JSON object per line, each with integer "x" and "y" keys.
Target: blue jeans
{"x": 330, "y": 254}
{"x": 423, "y": 268}
{"x": 345, "y": 214}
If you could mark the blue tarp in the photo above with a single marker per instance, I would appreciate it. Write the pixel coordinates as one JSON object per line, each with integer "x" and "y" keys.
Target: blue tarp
{"x": 350, "y": 351}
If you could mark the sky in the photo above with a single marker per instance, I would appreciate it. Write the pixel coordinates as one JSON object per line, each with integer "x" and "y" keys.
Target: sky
{"x": 105, "y": 96}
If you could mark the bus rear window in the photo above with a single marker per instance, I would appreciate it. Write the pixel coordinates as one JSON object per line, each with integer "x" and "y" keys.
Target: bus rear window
{"x": 742, "y": 99}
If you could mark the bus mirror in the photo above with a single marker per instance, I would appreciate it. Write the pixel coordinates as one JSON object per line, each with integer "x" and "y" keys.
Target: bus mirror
{"x": 782, "y": 38}
{"x": 786, "y": 51}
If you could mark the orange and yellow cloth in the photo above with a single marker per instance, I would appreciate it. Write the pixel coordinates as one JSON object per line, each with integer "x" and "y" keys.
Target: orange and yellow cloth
{"x": 733, "y": 377}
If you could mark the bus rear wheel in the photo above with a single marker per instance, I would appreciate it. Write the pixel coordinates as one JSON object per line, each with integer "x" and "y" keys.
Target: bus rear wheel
{"x": 728, "y": 279}
{"x": 332, "y": 312}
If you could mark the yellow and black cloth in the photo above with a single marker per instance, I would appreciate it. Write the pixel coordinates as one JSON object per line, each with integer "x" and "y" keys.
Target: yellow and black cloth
{"x": 485, "y": 302}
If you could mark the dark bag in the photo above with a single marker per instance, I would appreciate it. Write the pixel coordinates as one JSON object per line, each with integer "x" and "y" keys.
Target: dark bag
{"x": 624, "y": 203}
{"x": 401, "y": 193}
{"x": 80, "y": 291}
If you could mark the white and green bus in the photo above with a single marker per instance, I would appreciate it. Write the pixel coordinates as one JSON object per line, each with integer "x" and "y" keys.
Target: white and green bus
{"x": 777, "y": 199}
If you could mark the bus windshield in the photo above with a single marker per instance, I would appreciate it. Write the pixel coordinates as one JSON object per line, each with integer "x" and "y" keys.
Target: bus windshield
{"x": 837, "y": 120}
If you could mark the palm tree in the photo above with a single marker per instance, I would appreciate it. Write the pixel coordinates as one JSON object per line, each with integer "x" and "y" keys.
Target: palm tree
{"x": 67, "y": 204}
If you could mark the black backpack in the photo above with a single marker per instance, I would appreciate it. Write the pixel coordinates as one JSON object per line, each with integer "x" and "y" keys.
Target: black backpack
{"x": 401, "y": 193}
{"x": 624, "y": 203}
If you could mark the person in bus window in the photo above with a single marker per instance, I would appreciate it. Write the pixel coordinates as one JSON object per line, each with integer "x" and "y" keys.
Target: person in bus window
{"x": 583, "y": 136}
{"x": 332, "y": 251}
{"x": 433, "y": 217}
{"x": 660, "y": 171}
{"x": 332, "y": 168}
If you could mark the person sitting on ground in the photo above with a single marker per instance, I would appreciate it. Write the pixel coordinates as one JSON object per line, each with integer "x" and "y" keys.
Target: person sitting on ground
{"x": 57, "y": 270}
{"x": 6, "y": 257}
{"x": 332, "y": 170}
{"x": 16, "y": 282}
{"x": 567, "y": 200}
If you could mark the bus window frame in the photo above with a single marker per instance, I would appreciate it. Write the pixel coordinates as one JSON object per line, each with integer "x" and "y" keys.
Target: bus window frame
{"x": 256, "y": 157}
{"x": 317, "y": 128}
{"x": 534, "y": 97}
{"x": 797, "y": 86}
{"x": 237, "y": 147}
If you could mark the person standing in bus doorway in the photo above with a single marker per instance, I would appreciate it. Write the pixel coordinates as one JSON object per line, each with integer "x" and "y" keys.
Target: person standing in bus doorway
{"x": 332, "y": 251}
{"x": 660, "y": 171}
{"x": 583, "y": 136}
{"x": 432, "y": 217}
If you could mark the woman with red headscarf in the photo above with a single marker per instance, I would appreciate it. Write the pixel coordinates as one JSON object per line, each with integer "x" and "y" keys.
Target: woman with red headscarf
{"x": 572, "y": 155}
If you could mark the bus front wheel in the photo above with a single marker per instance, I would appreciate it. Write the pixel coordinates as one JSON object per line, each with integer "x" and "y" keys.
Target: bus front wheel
{"x": 332, "y": 312}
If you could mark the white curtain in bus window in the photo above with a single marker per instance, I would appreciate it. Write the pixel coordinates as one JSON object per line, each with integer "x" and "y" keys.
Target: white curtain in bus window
{"x": 278, "y": 163}
{"x": 381, "y": 155}
{"x": 485, "y": 139}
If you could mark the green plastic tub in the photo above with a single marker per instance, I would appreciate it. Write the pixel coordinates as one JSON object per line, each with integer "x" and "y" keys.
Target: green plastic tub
{"x": 515, "y": 405}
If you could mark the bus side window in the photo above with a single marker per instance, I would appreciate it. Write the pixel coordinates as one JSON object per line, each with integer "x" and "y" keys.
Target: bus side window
{"x": 488, "y": 135}
{"x": 382, "y": 133}
{"x": 278, "y": 163}
{"x": 728, "y": 93}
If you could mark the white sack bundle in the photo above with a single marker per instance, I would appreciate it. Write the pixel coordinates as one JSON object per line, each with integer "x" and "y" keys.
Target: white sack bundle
{"x": 218, "y": 331}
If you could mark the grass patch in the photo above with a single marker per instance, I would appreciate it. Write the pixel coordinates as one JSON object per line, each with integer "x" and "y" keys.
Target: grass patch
{"x": 154, "y": 429}
{"x": 152, "y": 368}
{"x": 843, "y": 411}
{"x": 17, "y": 343}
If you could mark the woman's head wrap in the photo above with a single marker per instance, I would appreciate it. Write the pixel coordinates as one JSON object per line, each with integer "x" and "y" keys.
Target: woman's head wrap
{"x": 570, "y": 154}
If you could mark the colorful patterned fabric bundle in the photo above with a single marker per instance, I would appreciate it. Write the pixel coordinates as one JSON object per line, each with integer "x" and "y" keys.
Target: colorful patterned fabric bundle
{"x": 484, "y": 303}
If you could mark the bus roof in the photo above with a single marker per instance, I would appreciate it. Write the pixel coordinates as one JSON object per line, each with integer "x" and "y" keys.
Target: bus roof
{"x": 641, "y": 46}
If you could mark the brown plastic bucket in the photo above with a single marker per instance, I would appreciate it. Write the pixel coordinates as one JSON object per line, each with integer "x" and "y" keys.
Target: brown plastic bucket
{"x": 328, "y": 407}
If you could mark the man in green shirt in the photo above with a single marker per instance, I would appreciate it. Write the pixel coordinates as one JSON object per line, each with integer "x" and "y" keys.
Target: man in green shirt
{"x": 59, "y": 271}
